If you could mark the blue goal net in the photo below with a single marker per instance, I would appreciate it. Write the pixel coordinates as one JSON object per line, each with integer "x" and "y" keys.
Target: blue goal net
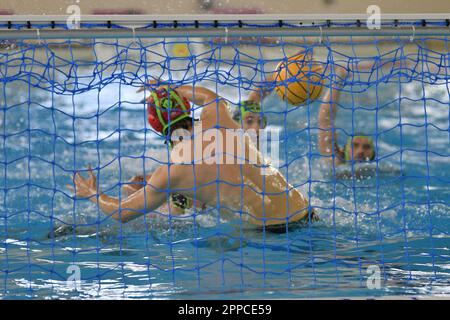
{"x": 348, "y": 196}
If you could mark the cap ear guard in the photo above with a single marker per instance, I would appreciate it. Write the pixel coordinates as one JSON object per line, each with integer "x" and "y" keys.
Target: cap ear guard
{"x": 181, "y": 201}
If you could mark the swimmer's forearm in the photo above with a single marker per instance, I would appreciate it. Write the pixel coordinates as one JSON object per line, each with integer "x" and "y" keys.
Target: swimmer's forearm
{"x": 327, "y": 112}
{"x": 328, "y": 109}
{"x": 197, "y": 95}
{"x": 111, "y": 206}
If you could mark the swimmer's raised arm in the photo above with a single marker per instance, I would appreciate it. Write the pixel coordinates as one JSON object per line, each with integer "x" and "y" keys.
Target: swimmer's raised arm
{"x": 197, "y": 94}
{"x": 257, "y": 95}
{"x": 215, "y": 110}
{"x": 327, "y": 114}
{"x": 382, "y": 64}
{"x": 142, "y": 201}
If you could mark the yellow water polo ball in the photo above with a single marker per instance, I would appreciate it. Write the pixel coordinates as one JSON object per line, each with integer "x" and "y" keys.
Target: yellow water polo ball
{"x": 299, "y": 79}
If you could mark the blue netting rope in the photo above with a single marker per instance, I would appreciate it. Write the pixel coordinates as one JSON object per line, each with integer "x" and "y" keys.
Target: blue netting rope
{"x": 68, "y": 104}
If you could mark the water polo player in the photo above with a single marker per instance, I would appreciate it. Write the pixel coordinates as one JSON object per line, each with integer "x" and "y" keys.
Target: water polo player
{"x": 249, "y": 113}
{"x": 237, "y": 189}
{"x": 359, "y": 148}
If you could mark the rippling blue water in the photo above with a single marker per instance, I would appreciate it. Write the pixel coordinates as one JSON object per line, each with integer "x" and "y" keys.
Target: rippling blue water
{"x": 397, "y": 220}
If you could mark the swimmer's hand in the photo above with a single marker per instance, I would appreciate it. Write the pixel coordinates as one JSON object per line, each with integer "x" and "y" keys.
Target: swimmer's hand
{"x": 85, "y": 188}
{"x": 342, "y": 73}
{"x": 156, "y": 84}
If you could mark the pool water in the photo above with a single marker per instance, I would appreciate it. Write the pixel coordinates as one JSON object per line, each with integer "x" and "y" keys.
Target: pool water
{"x": 394, "y": 224}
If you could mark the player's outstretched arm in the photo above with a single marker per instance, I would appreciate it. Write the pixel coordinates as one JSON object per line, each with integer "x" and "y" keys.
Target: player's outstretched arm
{"x": 142, "y": 201}
{"x": 258, "y": 94}
{"x": 327, "y": 114}
{"x": 134, "y": 184}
